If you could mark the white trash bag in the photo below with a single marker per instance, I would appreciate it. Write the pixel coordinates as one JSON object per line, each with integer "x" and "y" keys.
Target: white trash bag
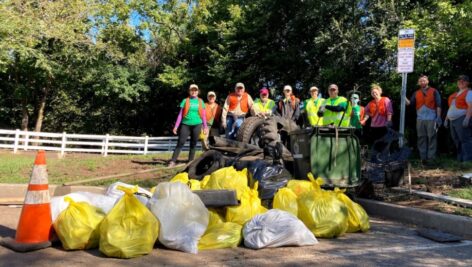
{"x": 105, "y": 203}
{"x": 276, "y": 228}
{"x": 142, "y": 195}
{"x": 182, "y": 216}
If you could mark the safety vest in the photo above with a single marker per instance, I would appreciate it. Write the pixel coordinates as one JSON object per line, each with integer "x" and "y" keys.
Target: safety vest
{"x": 293, "y": 101}
{"x": 187, "y": 107}
{"x": 211, "y": 113}
{"x": 379, "y": 107}
{"x": 234, "y": 101}
{"x": 261, "y": 107}
{"x": 312, "y": 107}
{"x": 427, "y": 100}
{"x": 332, "y": 117}
{"x": 461, "y": 102}
{"x": 347, "y": 117}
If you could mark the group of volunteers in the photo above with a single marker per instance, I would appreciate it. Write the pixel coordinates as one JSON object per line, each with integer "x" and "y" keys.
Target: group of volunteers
{"x": 196, "y": 116}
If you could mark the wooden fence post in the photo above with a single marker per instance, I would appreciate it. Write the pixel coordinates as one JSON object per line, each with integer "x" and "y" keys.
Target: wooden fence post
{"x": 146, "y": 142}
{"x": 17, "y": 139}
{"x": 63, "y": 144}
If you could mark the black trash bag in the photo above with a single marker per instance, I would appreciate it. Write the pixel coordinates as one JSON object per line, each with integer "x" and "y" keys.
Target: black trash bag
{"x": 270, "y": 176}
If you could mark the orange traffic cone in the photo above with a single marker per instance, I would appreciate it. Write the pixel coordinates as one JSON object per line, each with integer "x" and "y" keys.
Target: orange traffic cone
{"x": 35, "y": 225}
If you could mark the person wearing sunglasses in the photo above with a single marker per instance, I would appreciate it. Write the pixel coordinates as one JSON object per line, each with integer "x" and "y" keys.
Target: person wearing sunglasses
{"x": 357, "y": 114}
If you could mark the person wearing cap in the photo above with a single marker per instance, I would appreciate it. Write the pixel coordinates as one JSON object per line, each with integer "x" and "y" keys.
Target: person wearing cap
{"x": 189, "y": 123}
{"x": 263, "y": 106}
{"x": 289, "y": 106}
{"x": 334, "y": 109}
{"x": 213, "y": 114}
{"x": 357, "y": 114}
{"x": 458, "y": 117}
{"x": 236, "y": 106}
{"x": 311, "y": 107}
{"x": 380, "y": 112}
{"x": 427, "y": 102}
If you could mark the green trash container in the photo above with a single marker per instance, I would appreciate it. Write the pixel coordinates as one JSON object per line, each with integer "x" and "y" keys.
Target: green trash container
{"x": 336, "y": 159}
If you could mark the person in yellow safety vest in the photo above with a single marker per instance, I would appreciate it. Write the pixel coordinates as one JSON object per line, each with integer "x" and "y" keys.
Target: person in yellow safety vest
{"x": 311, "y": 107}
{"x": 263, "y": 106}
{"x": 335, "y": 108}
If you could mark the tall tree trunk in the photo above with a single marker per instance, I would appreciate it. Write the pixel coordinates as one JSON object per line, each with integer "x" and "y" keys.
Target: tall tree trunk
{"x": 25, "y": 114}
{"x": 42, "y": 106}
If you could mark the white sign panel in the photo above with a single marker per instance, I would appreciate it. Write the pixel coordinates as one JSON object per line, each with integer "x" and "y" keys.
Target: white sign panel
{"x": 406, "y": 51}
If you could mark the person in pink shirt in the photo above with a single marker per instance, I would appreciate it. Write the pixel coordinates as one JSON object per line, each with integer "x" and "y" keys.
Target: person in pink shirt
{"x": 380, "y": 112}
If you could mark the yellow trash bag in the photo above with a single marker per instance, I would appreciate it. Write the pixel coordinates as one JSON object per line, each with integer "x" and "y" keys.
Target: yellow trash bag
{"x": 194, "y": 184}
{"x": 300, "y": 187}
{"x": 285, "y": 199}
{"x": 358, "y": 220}
{"x": 215, "y": 217}
{"x": 204, "y": 181}
{"x": 152, "y": 189}
{"x": 130, "y": 229}
{"x": 180, "y": 177}
{"x": 323, "y": 213}
{"x": 221, "y": 235}
{"x": 228, "y": 178}
{"x": 78, "y": 226}
{"x": 250, "y": 206}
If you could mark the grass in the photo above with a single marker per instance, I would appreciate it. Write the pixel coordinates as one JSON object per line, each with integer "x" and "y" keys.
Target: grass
{"x": 464, "y": 193}
{"x": 16, "y": 168}
{"x": 446, "y": 163}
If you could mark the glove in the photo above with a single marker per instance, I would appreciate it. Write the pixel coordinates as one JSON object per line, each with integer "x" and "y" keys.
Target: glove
{"x": 321, "y": 111}
{"x": 389, "y": 124}
{"x": 465, "y": 122}
{"x": 446, "y": 123}
{"x": 438, "y": 121}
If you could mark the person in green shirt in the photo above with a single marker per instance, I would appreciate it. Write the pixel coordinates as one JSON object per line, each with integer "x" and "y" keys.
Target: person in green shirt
{"x": 357, "y": 114}
{"x": 190, "y": 119}
{"x": 334, "y": 109}
{"x": 311, "y": 107}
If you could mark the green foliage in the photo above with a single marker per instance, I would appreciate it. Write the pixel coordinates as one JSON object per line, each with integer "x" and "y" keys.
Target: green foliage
{"x": 122, "y": 66}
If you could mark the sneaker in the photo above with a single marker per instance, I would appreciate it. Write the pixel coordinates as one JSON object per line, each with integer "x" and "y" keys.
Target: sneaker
{"x": 171, "y": 164}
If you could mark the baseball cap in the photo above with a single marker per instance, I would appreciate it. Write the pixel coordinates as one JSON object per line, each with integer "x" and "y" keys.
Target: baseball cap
{"x": 463, "y": 78}
{"x": 238, "y": 85}
{"x": 287, "y": 88}
{"x": 264, "y": 91}
{"x": 192, "y": 86}
{"x": 211, "y": 93}
{"x": 313, "y": 88}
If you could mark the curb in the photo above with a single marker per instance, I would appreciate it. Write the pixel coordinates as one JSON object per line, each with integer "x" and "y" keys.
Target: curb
{"x": 454, "y": 224}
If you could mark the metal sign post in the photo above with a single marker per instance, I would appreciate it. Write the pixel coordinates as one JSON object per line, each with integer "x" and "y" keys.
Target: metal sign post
{"x": 405, "y": 63}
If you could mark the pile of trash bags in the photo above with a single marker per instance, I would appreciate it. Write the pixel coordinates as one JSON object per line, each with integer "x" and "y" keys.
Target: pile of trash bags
{"x": 127, "y": 221}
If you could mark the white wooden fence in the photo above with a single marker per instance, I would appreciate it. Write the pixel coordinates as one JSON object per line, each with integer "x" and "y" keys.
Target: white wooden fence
{"x": 103, "y": 144}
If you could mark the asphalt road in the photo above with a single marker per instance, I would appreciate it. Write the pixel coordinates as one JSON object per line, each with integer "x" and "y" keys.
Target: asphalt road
{"x": 386, "y": 244}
